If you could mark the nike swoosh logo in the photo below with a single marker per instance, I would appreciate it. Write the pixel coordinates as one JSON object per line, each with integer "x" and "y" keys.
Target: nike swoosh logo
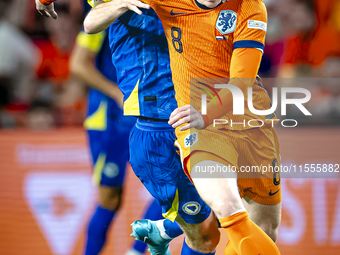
{"x": 176, "y": 13}
{"x": 272, "y": 194}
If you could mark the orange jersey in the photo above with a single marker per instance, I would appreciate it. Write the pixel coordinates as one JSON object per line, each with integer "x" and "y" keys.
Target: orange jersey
{"x": 207, "y": 46}
{"x": 201, "y": 40}
{"x": 202, "y": 44}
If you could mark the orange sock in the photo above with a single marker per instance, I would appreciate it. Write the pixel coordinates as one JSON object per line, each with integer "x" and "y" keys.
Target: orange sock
{"x": 230, "y": 250}
{"x": 246, "y": 237}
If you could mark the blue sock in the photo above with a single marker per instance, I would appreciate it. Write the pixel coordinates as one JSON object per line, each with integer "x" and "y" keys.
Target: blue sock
{"x": 153, "y": 212}
{"x": 96, "y": 233}
{"x": 172, "y": 229}
{"x": 186, "y": 250}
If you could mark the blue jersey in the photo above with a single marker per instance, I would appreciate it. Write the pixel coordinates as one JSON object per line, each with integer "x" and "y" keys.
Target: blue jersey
{"x": 141, "y": 57}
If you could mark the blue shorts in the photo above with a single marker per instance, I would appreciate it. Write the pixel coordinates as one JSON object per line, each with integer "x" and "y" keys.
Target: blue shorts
{"x": 108, "y": 137}
{"x": 156, "y": 162}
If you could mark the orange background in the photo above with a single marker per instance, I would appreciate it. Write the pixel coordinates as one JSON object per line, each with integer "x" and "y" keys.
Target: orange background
{"x": 46, "y": 196}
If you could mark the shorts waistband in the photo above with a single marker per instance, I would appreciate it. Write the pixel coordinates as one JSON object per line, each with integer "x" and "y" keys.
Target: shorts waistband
{"x": 149, "y": 125}
{"x": 152, "y": 119}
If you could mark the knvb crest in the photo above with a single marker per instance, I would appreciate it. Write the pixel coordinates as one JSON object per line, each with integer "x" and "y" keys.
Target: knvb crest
{"x": 226, "y": 22}
{"x": 191, "y": 139}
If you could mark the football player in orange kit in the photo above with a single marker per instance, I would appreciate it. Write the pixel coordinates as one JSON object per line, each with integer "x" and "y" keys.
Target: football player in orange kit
{"x": 224, "y": 42}
{"x": 221, "y": 43}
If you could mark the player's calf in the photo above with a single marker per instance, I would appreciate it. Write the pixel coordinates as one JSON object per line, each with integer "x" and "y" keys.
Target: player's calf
{"x": 267, "y": 217}
{"x": 109, "y": 202}
{"x": 270, "y": 230}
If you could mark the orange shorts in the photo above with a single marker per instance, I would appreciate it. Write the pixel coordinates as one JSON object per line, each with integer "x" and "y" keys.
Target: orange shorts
{"x": 254, "y": 153}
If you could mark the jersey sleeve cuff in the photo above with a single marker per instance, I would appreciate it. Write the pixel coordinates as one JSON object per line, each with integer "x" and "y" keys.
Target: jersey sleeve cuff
{"x": 249, "y": 44}
{"x": 46, "y": 2}
{"x": 92, "y": 42}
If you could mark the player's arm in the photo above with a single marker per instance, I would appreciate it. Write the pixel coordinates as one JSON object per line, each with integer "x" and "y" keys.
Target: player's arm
{"x": 82, "y": 64}
{"x": 104, "y": 13}
{"x": 46, "y": 8}
{"x": 245, "y": 63}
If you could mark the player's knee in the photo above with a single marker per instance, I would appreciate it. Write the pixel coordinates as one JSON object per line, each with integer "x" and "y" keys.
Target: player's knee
{"x": 209, "y": 234}
{"x": 212, "y": 238}
{"x": 110, "y": 198}
{"x": 204, "y": 237}
{"x": 112, "y": 203}
{"x": 226, "y": 208}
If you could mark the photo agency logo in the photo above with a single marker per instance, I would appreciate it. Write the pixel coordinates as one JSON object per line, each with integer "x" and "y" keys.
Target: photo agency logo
{"x": 303, "y": 95}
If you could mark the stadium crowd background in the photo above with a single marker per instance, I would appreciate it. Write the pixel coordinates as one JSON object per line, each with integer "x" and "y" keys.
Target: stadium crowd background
{"x": 46, "y": 196}
{"x": 38, "y": 91}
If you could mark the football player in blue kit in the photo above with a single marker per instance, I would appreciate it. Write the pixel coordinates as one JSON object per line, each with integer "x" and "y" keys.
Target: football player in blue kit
{"x": 108, "y": 135}
{"x": 138, "y": 43}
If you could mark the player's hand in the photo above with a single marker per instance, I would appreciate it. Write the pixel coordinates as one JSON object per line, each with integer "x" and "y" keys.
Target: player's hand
{"x": 133, "y": 5}
{"x": 186, "y": 114}
{"x": 46, "y": 10}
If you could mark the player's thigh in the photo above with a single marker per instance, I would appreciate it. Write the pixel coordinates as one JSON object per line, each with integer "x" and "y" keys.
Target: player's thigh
{"x": 259, "y": 158}
{"x": 267, "y": 217}
{"x": 109, "y": 174}
{"x": 156, "y": 163}
{"x": 218, "y": 189}
{"x": 110, "y": 155}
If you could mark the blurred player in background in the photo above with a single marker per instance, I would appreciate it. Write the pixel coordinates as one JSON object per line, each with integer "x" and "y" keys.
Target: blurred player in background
{"x": 108, "y": 134}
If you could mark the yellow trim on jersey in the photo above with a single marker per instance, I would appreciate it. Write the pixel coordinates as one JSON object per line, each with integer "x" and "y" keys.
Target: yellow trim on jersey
{"x": 91, "y": 42}
{"x": 98, "y": 119}
{"x": 98, "y": 168}
{"x": 92, "y": 2}
{"x": 173, "y": 211}
{"x": 131, "y": 104}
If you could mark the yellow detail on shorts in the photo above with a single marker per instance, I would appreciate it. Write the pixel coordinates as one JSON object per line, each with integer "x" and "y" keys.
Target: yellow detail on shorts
{"x": 91, "y": 42}
{"x": 98, "y": 119}
{"x": 173, "y": 211}
{"x": 92, "y": 2}
{"x": 98, "y": 168}
{"x": 131, "y": 104}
